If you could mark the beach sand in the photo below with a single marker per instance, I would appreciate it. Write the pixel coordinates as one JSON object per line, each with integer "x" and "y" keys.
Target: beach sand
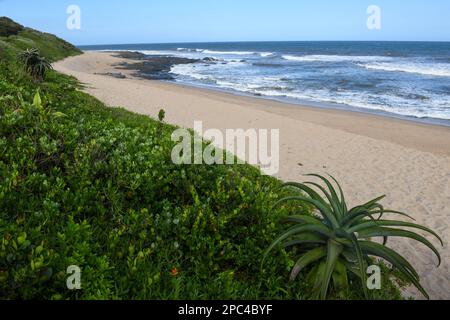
{"x": 370, "y": 155}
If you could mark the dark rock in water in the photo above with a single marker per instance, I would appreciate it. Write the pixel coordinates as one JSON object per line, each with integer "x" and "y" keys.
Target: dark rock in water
{"x": 130, "y": 55}
{"x": 269, "y": 65}
{"x": 117, "y": 75}
{"x": 156, "y": 67}
{"x": 209, "y": 59}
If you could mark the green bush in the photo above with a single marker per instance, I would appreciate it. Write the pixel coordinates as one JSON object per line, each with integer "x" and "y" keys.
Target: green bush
{"x": 8, "y": 27}
{"x": 90, "y": 186}
{"x": 34, "y": 64}
{"x": 14, "y": 38}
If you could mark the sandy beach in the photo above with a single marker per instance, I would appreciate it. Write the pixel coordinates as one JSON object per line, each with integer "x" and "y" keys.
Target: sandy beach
{"x": 371, "y": 155}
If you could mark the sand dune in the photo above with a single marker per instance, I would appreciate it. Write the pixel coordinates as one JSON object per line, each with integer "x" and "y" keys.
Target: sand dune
{"x": 370, "y": 155}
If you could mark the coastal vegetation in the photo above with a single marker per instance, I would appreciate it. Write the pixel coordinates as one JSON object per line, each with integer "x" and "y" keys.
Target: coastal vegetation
{"x": 34, "y": 64}
{"x": 92, "y": 186}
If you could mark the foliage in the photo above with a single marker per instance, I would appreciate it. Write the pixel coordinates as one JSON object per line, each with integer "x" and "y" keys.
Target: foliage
{"x": 335, "y": 243}
{"x": 86, "y": 185}
{"x": 34, "y": 64}
{"x": 13, "y": 42}
{"x": 8, "y": 27}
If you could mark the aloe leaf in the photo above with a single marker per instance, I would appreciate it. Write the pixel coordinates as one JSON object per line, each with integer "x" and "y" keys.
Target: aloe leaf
{"x": 358, "y": 216}
{"x": 362, "y": 265}
{"x": 329, "y": 185}
{"x": 309, "y": 238}
{"x": 318, "y": 280}
{"x": 333, "y": 252}
{"x": 302, "y": 219}
{"x": 313, "y": 194}
{"x": 306, "y": 260}
{"x": 326, "y": 213}
{"x": 366, "y": 206}
{"x": 332, "y": 202}
{"x": 373, "y": 248}
{"x": 340, "y": 278}
{"x": 392, "y": 223}
{"x": 388, "y": 232}
{"x": 321, "y": 229}
{"x": 343, "y": 202}
{"x": 396, "y": 260}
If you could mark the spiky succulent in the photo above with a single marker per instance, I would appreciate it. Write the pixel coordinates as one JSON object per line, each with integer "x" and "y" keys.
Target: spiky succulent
{"x": 34, "y": 64}
{"x": 336, "y": 241}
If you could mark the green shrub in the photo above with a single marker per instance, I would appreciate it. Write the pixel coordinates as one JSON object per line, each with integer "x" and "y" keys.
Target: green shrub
{"x": 86, "y": 185}
{"x": 8, "y": 27}
{"x": 34, "y": 64}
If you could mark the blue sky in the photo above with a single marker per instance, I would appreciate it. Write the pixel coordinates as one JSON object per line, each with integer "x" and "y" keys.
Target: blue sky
{"x": 156, "y": 21}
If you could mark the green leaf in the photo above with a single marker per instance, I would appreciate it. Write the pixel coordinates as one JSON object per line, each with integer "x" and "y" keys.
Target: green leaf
{"x": 333, "y": 252}
{"x": 306, "y": 260}
{"x": 392, "y": 223}
{"x": 396, "y": 260}
{"x": 321, "y": 229}
{"x": 340, "y": 278}
{"x": 37, "y": 102}
{"x": 326, "y": 213}
{"x": 388, "y": 232}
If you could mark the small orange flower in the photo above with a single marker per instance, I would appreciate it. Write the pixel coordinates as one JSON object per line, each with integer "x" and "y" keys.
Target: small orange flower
{"x": 174, "y": 272}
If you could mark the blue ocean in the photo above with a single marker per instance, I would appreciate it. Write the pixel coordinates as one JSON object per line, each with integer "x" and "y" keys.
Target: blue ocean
{"x": 407, "y": 79}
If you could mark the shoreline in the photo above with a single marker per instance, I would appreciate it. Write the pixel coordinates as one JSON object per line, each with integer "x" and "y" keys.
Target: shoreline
{"x": 332, "y": 115}
{"x": 144, "y": 72}
{"x": 432, "y": 137}
{"x": 370, "y": 155}
{"x": 327, "y": 106}
{"x": 338, "y": 119}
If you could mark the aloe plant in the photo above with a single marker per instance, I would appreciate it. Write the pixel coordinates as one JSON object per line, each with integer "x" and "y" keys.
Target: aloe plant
{"x": 34, "y": 64}
{"x": 336, "y": 242}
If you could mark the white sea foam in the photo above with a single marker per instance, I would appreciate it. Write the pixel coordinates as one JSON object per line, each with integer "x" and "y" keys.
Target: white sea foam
{"x": 190, "y": 49}
{"x": 235, "y": 53}
{"x": 431, "y": 69}
{"x": 334, "y": 58}
{"x": 156, "y": 52}
{"x": 267, "y": 54}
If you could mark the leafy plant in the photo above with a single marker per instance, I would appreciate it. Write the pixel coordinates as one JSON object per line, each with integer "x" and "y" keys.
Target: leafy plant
{"x": 335, "y": 241}
{"x": 34, "y": 64}
{"x": 161, "y": 115}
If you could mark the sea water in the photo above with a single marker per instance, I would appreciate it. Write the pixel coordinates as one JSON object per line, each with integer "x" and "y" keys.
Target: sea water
{"x": 410, "y": 79}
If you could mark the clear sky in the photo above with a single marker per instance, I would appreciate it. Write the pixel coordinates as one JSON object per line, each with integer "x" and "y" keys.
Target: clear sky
{"x": 156, "y": 21}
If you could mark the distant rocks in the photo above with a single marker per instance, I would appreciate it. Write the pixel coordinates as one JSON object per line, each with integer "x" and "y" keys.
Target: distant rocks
{"x": 209, "y": 59}
{"x": 152, "y": 67}
{"x": 134, "y": 55}
{"x": 155, "y": 67}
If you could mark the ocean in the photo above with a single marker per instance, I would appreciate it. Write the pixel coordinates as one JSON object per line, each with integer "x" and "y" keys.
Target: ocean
{"x": 403, "y": 79}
